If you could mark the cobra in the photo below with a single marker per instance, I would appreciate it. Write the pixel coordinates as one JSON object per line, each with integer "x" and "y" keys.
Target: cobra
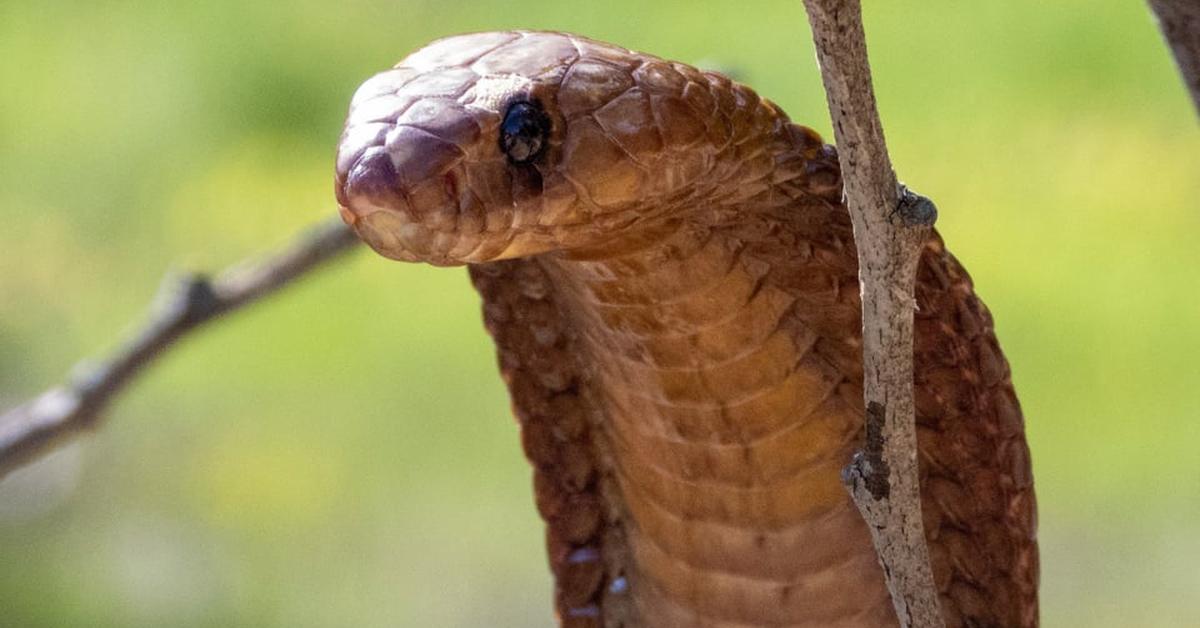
{"x": 669, "y": 273}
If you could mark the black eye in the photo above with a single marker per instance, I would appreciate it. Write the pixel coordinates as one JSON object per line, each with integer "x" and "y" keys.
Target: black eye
{"x": 524, "y": 131}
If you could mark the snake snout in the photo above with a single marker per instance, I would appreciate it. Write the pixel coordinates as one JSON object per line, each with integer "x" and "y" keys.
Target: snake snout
{"x": 397, "y": 188}
{"x": 371, "y": 185}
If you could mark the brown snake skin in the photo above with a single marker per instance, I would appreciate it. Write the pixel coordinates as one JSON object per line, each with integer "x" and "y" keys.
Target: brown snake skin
{"x": 672, "y": 286}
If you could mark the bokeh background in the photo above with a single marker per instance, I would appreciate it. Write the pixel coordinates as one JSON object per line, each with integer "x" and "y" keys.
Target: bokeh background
{"x": 342, "y": 455}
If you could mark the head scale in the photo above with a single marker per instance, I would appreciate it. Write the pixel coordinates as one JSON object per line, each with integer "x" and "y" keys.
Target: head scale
{"x": 498, "y": 145}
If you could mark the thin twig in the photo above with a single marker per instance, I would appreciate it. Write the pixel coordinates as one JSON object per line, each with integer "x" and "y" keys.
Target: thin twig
{"x": 184, "y": 303}
{"x": 890, "y": 227}
{"x": 1179, "y": 21}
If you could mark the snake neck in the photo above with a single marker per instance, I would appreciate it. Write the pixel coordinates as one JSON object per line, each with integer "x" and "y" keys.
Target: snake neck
{"x": 720, "y": 353}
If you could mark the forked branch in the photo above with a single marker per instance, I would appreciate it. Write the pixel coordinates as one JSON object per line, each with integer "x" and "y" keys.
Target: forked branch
{"x": 891, "y": 225}
{"x": 184, "y": 303}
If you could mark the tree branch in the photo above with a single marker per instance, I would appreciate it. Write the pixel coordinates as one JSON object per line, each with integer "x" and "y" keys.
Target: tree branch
{"x": 184, "y": 303}
{"x": 890, "y": 226}
{"x": 1179, "y": 21}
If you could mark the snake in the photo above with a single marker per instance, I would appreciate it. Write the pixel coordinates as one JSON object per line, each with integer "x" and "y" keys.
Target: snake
{"x": 668, "y": 270}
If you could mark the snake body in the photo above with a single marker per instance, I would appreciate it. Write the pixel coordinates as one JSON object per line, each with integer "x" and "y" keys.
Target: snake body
{"x": 670, "y": 276}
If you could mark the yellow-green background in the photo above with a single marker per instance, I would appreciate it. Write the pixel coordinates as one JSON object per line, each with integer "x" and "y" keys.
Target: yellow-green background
{"x": 343, "y": 455}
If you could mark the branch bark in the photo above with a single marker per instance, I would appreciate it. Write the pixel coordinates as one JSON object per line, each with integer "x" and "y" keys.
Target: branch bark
{"x": 1179, "y": 21}
{"x": 891, "y": 225}
{"x": 184, "y": 303}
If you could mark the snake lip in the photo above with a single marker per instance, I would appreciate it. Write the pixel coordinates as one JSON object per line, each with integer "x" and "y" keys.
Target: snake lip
{"x": 397, "y": 236}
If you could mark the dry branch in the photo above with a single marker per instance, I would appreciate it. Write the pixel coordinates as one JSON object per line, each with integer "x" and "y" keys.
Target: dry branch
{"x": 1179, "y": 21}
{"x": 183, "y": 304}
{"x": 890, "y": 226}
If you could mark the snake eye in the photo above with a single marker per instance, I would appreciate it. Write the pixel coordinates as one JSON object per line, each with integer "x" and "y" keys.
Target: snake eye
{"x": 524, "y": 131}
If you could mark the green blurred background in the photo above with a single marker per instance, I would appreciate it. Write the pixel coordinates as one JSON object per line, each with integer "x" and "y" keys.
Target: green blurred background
{"x": 343, "y": 454}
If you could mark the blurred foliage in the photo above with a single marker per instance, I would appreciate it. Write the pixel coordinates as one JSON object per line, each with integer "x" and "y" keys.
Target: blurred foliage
{"x": 343, "y": 455}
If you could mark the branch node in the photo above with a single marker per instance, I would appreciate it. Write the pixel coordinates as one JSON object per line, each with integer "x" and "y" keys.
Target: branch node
{"x": 914, "y": 209}
{"x": 189, "y": 296}
{"x": 868, "y": 468}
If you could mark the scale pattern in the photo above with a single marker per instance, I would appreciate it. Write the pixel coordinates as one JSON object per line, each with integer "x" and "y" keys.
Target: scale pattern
{"x": 672, "y": 288}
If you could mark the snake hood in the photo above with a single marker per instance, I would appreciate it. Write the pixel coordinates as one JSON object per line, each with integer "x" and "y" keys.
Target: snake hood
{"x": 499, "y": 145}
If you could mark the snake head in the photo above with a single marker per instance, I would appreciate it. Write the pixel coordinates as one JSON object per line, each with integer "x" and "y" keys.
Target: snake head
{"x": 498, "y": 145}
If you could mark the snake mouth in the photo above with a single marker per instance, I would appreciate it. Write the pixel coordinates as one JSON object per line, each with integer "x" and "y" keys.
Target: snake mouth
{"x": 393, "y": 235}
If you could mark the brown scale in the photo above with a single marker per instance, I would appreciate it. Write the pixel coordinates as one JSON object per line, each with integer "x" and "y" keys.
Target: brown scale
{"x": 671, "y": 282}
{"x": 537, "y": 362}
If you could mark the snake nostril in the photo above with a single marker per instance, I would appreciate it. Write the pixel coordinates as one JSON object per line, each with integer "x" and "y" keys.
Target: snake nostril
{"x": 373, "y": 180}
